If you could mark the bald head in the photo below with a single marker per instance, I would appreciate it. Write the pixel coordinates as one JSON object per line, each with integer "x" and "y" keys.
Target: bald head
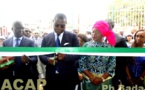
{"x": 17, "y": 24}
{"x": 111, "y": 23}
{"x": 59, "y": 23}
{"x": 18, "y": 29}
{"x": 60, "y": 16}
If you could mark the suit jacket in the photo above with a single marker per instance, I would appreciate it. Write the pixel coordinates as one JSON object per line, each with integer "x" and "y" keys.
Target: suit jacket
{"x": 67, "y": 69}
{"x": 21, "y": 70}
{"x": 39, "y": 41}
{"x": 121, "y": 62}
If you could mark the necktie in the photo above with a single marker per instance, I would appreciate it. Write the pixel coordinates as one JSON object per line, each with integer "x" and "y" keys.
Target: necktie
{"x": 57, "y": 45}
{"x": 57, "y": 41}
{"x": 17, "y": 42}
{"x": 16, "y": 58}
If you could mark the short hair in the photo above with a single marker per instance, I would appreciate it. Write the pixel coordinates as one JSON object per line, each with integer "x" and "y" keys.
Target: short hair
{"x": 129, "y": 35}
{"x": 27, "y": 29}
{"x": 17, "y": 22}
{"x": 60, "y": 16}
{"x": 111, "y": 23}
{"x": 76, "y": 30}
{"x": 83, "y": 37}
{"x": 88, "y": 32}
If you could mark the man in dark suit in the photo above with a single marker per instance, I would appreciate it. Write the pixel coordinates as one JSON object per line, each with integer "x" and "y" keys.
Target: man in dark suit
{"x": 25, "y": 66}
{"x": 61, "y": 73}
{"x": 120, "y": 73}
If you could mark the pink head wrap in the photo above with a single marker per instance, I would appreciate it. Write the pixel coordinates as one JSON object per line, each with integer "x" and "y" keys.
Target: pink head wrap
{"x": 103, "y": 27}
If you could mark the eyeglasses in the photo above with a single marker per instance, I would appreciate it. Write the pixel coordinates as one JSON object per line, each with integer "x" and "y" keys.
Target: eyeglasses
{"x": 20, "y": 28}
{"x": 61, "y": 25}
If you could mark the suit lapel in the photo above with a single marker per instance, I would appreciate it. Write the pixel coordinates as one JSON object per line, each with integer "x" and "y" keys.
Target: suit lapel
{"x": 64, "y": 39}
{"x": 22, "y": 43}
{"x": 11, "y": 42}
{"x": 49, "y": 40}
{"x": 53, "y": 39}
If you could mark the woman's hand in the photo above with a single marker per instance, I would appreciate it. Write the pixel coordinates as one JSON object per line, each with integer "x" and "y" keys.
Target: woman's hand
{"x": 97, "y": 81}
{"x": 80, "y": 76}
{"x": 131, "y": 82}
{"x": 139, "y": 80}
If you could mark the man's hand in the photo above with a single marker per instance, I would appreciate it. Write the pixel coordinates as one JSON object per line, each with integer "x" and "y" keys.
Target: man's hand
{"x": 3, "y": 68}
{"x": 25, "y": 59}
{"x": 9, "y": 58}
{"x": 4, "y": 60}
{"x": 61, "y": 56}
{"x": 52, "y": 61}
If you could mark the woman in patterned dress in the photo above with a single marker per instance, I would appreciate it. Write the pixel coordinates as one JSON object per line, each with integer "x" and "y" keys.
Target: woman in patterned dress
{"x": 98, "y": 70}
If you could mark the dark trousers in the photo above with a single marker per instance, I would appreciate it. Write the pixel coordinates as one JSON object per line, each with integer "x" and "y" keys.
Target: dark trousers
{"x": 116, "y": 81}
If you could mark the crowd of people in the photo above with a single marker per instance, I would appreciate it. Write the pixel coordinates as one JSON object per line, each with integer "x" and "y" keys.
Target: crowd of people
{"x": 68, "y": 71}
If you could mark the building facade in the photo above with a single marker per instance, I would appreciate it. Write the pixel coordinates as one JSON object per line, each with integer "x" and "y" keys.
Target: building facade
{"x": 127, "y": 14}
